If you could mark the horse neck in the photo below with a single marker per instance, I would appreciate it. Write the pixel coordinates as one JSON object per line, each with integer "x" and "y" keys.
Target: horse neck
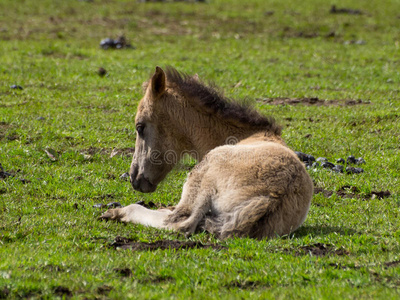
{"x": 206, "y": 132}
{"x": 198, "y": 132}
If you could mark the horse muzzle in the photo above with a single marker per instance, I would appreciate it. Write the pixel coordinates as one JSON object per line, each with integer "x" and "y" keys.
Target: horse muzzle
{"x": 142, "y": 184}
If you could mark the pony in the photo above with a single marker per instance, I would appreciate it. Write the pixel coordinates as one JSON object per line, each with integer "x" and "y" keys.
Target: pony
{"x": 247, "y": 182}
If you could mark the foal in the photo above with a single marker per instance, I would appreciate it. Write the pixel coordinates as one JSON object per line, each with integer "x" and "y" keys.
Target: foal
{"x": 247, "y": 181}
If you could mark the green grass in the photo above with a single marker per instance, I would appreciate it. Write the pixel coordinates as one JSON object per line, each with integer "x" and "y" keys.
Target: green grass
{"x": 49, "y": 235}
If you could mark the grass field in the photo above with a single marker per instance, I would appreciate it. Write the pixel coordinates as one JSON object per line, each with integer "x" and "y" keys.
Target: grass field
{"x": 51, "y": 244}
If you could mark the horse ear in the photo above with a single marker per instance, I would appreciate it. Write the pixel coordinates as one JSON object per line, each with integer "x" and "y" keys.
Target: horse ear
{"x": 158, "y": 82}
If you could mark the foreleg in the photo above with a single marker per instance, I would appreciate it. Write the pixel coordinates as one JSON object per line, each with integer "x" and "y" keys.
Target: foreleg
{"x": 191, "y": 189}
{"x": 138, "y": 214}
{"x": 200, "y": 208}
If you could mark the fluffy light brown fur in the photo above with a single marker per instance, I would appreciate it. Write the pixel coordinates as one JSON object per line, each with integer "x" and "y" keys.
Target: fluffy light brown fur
{"x": 247, "y": 182}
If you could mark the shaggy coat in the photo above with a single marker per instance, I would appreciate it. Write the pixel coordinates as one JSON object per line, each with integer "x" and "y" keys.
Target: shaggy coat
{"x": 247, "y": 183}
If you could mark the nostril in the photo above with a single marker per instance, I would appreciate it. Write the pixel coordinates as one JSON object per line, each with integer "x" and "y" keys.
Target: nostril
{"x": 136, "y": 181}
{"x": 135, "y": 184}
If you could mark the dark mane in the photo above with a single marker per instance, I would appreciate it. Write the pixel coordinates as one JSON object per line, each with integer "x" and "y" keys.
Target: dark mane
{"x": 208, "y": 97}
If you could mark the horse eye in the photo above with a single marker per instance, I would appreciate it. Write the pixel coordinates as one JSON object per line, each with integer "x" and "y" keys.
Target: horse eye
{"x": 140, "y": 128}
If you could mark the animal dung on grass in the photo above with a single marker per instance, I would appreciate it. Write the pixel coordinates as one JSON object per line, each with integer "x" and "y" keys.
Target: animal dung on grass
{"x": 327, "y": 165}
{"x": 119, "y": 43}
{"x": 351, "y": 159}
{"x": 114, "y": 204}
{"x": 305, "y": 157}
{"x": 338, "y": 168}
{"x": 98, "y": 205}
{"x": 124, "y": 176}
{"x": 360, "y": 161}
{"x": 3, "y": 174}
{"x": 352, "y": 170}
{"x": 340, "y": 161}
{"x": 310, "y": 162}
{"x": 16, "y": 87}
{"x": 101, "y": 71}
{"x": 255, "y": 187}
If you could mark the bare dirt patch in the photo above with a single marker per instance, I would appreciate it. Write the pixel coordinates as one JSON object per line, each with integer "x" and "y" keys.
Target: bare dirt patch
{"x": 394, "y": 263}
{"x": 53, "y": 268}
{"x": 351, "y": 192}
{"x": 343, "y": 192}
{"x": 4, "y": 292}
{"x": 319, "y": 249}
{"x": 246, "y": 285}
{"x": 312, "y": 101}
{"x": 379, "y": 195}
{"x": 126, "y": 243}
{"x": 344, "y": 267}
{"x": 124, "y": 272}
{"x": 289, "y": 32}
{"x": 104, "y": 289}
{"x": 157, "y": 279}
{"x": 3, "y": 128}
{"x": 348, "y": 11}
{"x": 62, "y": 291}
{"x": 389, "y": 264}
{"x": 4, "y": 132}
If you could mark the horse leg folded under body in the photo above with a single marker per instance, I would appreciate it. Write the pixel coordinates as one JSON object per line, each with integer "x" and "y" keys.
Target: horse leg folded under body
{"x": 138, "y": 214}
{"x": 195, "y": 202}
{"x": 200, "y": 208}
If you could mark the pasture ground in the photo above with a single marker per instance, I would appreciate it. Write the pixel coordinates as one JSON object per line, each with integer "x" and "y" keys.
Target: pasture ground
{"x": 51, "y": 244}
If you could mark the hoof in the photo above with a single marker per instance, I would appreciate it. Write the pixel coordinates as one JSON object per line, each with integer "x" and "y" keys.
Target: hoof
{"x": 111, "y": 214}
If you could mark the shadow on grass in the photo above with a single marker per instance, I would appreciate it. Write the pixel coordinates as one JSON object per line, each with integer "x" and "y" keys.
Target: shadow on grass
{"x": 315, "y": 230}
